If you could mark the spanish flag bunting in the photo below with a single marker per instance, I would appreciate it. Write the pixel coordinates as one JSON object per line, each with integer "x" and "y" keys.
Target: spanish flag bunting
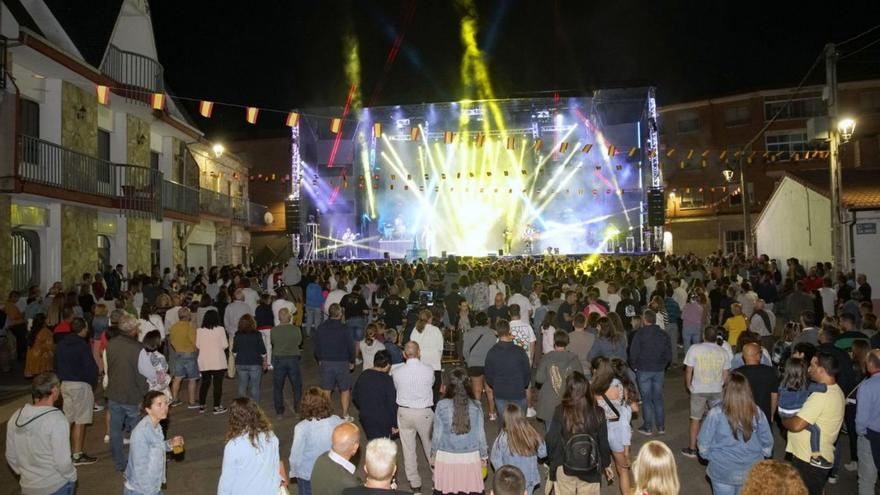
{"x": 632, "y": 152}
{"x": 377, "y": 130}
{"x": 587, "y": 148}
{"x": 612, "y": 150}
{"x": 335, "y": 125}
{"x": 205, "y": 108}
{"x": 538, "y": 144}
{"x": 103, "y": 93}
{"x": 766, "y": 154}
{"x": 652, "y": 153}
{"x": 414, "y": 133}
{"x": 448, "y": 136}
{"x": 670, "y": 152}
{"x": 722, "y": 155}
{"x": 292, "y": 119}
{"x": 157, "y": 101}
{"x": 511, "y": 143}
{"x": 703, "y": 163}
{"x": 563, "y": 147}
{"x": 251, "y": 114}
{"x": 681, "y": 164}
{"x": 705, "y": 153}
{"x": 481, "y": 138}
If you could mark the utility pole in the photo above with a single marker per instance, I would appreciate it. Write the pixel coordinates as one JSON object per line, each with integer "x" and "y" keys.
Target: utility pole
{"x": 837, "y": 251}
{"x": 747, "y": 209}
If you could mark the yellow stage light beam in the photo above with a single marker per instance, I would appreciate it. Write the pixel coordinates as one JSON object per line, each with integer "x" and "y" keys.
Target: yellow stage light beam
{"x": 365, "y": 163}
{"x": 559, "y": 170}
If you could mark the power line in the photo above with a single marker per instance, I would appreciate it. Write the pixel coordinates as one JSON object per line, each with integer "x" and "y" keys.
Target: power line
{"x": 869, "y": 45}
{"x": 858, "y": 35}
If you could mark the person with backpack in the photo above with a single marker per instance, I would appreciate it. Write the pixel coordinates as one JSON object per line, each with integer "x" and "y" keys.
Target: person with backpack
{"x": 577, "y": 442}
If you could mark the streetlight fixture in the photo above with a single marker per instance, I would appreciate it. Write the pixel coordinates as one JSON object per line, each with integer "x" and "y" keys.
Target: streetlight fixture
{"x": 728, "y": 173}
{"x": 846, "y": 126}
{"x": 218, "y": 150}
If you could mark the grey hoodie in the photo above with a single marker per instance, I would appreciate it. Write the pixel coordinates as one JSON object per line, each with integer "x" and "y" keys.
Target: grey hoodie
{"x": 38, "y": 449}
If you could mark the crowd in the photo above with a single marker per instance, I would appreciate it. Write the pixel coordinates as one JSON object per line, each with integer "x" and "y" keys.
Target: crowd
{"x": 569, "y": 354}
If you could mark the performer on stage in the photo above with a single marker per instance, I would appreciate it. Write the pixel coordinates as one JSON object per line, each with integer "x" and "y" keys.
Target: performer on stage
{"x": 399, "y": 228}
{"x": 507, "y": 240}
{"x": 348, "y": 241}
{"x": 530, "y": 235}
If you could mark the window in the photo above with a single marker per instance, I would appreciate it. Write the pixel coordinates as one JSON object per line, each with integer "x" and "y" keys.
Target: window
{"x": 29, "y": 123}
{"x": 155, "y": 246}
{"x": 734, "y": 116}
{"x": 692, "y": 198}
{"x": 103, "y": 252}
{"x": 734, "y": 241}
{"x": 786, "y": 143}
{"x": 154, "y": 160}
{"x": 688, "y": 122}
{"x": 25, "y": 259}
{"x": 870, "y": 102}
{"x": 798, "y": 109}
{"x": 103, "y": 145}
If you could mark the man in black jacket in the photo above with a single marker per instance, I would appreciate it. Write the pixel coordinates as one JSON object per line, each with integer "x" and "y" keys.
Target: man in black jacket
{"x": 76, "y": 368}
{"x": 649, "y": 355}
{"x": 507, "y": 370}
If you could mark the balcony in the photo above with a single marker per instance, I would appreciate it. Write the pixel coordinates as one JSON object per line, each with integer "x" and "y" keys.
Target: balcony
{"x": 179, "y": 198}
{"x": 140, "y": 193}
{"x": 139, "y": 73}
{"x": 214, "y": 203}
{"x": 45, "y": 163}
{"x": 256, "y": 214}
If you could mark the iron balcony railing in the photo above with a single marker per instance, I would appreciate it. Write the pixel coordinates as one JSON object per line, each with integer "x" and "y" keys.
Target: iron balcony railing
{"x": 42, "y": 162}
{"x": 215, "y": 203}
{"x": 133, "y": 70}
{"x": 239, "y": 210}
{"x": 180, "y": 198}
{"x": 140, "y": 191}
{"x": 256, "y": 214}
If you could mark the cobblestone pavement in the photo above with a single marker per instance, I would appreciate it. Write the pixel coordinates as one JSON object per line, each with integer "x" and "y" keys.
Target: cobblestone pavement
{"x": 198, "y": 473}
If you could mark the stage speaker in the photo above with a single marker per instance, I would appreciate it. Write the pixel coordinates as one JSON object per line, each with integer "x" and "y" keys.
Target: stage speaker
{"x": 386, "y": 255}
{"x": 291, "y": 217}
{"x": 500, "y": 252}
{"x": 656, "y": 208}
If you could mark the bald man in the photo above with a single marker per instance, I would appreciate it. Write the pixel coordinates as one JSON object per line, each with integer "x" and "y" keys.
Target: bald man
{"x": 762, "y": 378}
{"x": 413, "y": 381}
{"x": 868, "y": 425}
{"x": 333, "y": 471}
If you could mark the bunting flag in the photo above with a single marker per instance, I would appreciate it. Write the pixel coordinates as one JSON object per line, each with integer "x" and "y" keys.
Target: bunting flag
{"x": 206, "y": 108}
{"x": 670, "y": 152}
{"x": 612, "y": 150}
{"x": 415, "y": 133}
{"x": 632, "y": 152}
{"x": 157, "y": 101}
{"x": 705, "y": 153}
{"x": 690, "y": 154}
{"x": 587, "y": 148}
{"x": 481, "y": 138}
{"x": 538, "y": 144}
{"x": 722, "y": 155}
{"x": 511, "y": 143}
{"x": 103, "y": 93}
{"x": 335, "y": 125}
{"x": 292, "y": 119}
{"x": 251, "y": 114}
{"x": 563, "y": 147}
{"x": 448, "y": 136}
{"x": 377, "y": 130}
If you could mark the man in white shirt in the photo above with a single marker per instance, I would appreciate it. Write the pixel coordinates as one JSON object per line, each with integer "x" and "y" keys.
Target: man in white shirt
{"x": 335, "y": 296}
{"x": 414, "y": 382}
{"x": 234, "y": 311}
{"x": 650, "y": 283}
{"x": 283, "y": 301}
{"x": 707, "y": 369}
{"x": 171, "y": 316}
{"x": 679, "y": 294}
{"x": 525, "y": 306}
{"x": 251, "y": 297}
{"x": 829, "y": 297}
{"x": 523, "y": 336}
{"x": 497, "y": 286}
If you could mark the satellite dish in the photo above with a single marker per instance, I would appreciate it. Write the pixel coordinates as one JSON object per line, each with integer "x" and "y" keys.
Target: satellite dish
{"x": 268, "y": 218}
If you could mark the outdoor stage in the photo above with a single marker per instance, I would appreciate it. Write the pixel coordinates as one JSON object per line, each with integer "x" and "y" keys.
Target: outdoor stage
{"x": 494, "y": 176}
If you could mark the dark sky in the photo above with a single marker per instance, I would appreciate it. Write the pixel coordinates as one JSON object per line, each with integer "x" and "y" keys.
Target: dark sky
{"x": 285, "y": 54}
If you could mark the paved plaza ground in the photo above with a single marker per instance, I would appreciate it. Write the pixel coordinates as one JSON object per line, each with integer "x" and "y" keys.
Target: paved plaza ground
{"x": 198, "y": 473}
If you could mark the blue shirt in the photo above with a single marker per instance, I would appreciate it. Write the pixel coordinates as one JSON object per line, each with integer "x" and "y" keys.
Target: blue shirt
{"x": 447, "y": 441}
{"x": 730, "y": 459}
{"x": 314, "y": 297}
{"x": 311, "y": 438}
{"x": 145, "y": 472}
{"x": 249, "y": 469}
{"x": 501, "y": 456}
{"x": 868, "y": 403}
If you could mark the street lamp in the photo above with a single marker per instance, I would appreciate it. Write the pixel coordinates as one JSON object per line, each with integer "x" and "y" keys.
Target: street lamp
{"x": 846, "y": 126}
{"x": 729, "y": 173}
{"x": 218, "y": 150}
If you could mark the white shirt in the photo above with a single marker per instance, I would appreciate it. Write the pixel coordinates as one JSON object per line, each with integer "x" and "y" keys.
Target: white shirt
{"x": 249, "y": 469}
{"x": 414, "y": 382}
{"x": 430, "y": 342}
{"x": 497, "y": 287}
{"x": 172, "y": 316}
{"x": 525, "y": 306}
{"x": 829, "y": 297}
{"x": 335, "y": 296}
{"x": 282, "y": 303}
{"x": 252, "y": 298}
{"x": 603, "y": 289}
{"x": 680, "y": 296}
{"x": 613, "y": 299}
{"x": 523, "y": 336}
{"x": 147, "y": 326}
{"x": 338, "y": 459}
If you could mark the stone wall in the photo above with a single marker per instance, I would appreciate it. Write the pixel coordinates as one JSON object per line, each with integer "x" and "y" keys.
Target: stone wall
{"x": 79, "y": 119}
{"x": 79, "y": 243}
{"x": 138, "y": 245}
{"x": 5, "y": 246}
{"x": 178, "y": 253}
{"x": 223, "y": 245}
{"x": 138, "y": 152}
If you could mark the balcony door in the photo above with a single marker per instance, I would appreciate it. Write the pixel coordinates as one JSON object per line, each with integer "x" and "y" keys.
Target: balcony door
{"x": 29, "y": 126}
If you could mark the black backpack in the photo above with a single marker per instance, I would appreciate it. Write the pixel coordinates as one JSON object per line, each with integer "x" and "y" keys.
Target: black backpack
{"x": 580, "y": 455}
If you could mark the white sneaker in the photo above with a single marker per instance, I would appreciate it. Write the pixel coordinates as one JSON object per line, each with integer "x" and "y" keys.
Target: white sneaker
{"x": 832, "y": 479}
{"x": 125, "y": 441}
{"x": 106, "y": 438}
{"x": 531, "y": 413}
{"x": 851, "y": 466}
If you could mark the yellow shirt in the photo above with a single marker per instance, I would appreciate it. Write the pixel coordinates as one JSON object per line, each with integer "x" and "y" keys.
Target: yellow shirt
{"x": 735, "y": 325}
{"x": 824, "y": 410}
{"x": 183, "y": 336}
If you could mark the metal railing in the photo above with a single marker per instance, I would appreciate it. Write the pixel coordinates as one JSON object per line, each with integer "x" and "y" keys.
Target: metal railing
{"x": 215, "y": 203}
{"x": 133, "y": 69}
{"x": 47, "y": 163}
{"x": 239, "y": 210}
{"x": 140, "y": 191}
{"x": 256, "y": 214}
{"x": 180, "y": 198}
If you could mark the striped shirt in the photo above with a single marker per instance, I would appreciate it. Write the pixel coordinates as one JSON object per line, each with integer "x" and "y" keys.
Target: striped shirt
{"x": 414, "y": 381}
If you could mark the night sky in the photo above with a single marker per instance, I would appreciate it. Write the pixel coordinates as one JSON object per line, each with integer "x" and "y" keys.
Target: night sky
{"x": 285, "y": 54}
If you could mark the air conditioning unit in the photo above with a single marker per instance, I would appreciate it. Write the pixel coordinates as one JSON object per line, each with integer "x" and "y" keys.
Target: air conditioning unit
{"x": 817, "y": 129}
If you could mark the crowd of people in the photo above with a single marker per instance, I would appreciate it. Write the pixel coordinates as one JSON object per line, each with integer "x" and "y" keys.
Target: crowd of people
{"x": 571, "y": 355}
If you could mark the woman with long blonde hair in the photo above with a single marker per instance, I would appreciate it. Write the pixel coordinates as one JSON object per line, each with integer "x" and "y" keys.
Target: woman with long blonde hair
{"x": 251, "y": 462}
{"x": 519, "y": 445}
{"x": 654, "y": 470}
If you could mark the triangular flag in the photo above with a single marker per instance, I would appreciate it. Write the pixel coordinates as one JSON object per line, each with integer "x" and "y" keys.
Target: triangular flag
{"x": 705, "y": 153}
{"x": 722, "y": 155}
{"x": 612, "y": 150}
{"x": 292, "y": 119}
{"x": 377, "y": 130}
{"x": 447, "y": 137}
{"x": 690, "y": 154}
{"x": 587, "y": 148}
{"x": 335, "y": 125}
{"x": 511, "y": 143}
{"x": 632, "y": 152}
{"x": 157, "y": 101}
{"x": 481, "y": 138}
{"x": 538, "y": 144}
{"x": 205, "y": 108}
{"x": 670, "y": 152}
{"x": 563, "y": 147}
{"x": 103, "y": 93}
{"x": 251, "y": 115}
{"x": 414, "y": 133}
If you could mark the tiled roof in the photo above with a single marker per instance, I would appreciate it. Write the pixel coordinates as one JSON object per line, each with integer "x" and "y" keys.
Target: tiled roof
{"x": 860, "y": 187}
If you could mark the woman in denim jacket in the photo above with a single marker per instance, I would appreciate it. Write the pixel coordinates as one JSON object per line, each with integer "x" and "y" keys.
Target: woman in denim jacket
{"x": 145, "y": 472}
{"x": 458, "y": 449}
{"x": 312, "y": 436}
{"x": 734, "y": 436}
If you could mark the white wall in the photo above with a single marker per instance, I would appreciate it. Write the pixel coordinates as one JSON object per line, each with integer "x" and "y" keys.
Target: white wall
{"x": 866, "y": 249}
{"x": 796, "y": 223}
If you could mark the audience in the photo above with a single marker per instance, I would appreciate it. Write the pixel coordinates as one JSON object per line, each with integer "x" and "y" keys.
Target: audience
{"x": 654, "y": 470}
{"x": 333, "y": 471}
{"x": 251, "y": 462}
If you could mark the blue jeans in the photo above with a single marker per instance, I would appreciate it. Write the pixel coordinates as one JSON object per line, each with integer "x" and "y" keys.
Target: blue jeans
{"x": 672, "y": 330}
{"x": 304, "y": 486}
{"x": 122, "y": 417}
{"x": 724, "y": 488}
{"x": 286, "y": 367}
{"x": 66, "y": 489}
{"x": 651, "y": 388}
{"x": 500, "y": 404}
{"x": 314, "y": 317}
{"x": 356, "y": 326}
{"x": 690, "y": 336}
{"x": 249, "y": 380}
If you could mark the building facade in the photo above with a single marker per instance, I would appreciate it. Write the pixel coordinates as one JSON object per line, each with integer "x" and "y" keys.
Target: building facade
{"x": 700, "y": 139}
{"x": 85, "y": 184}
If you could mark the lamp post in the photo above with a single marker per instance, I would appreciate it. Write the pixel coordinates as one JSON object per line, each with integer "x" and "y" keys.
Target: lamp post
{"x": 728, "y": 174}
